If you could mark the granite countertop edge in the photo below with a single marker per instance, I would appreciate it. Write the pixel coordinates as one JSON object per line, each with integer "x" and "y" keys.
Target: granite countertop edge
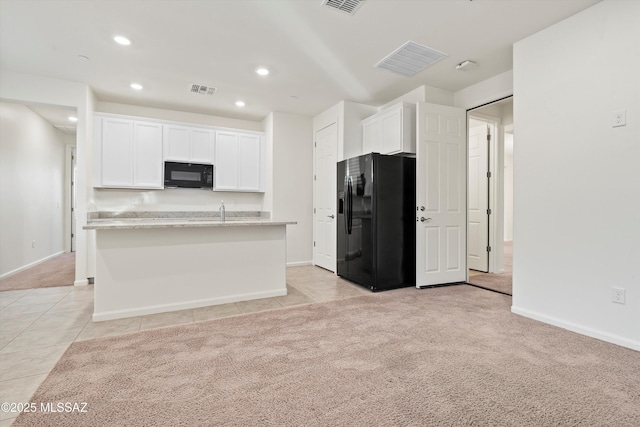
{"x": 185, "y": 219}
{"x": 112, "y": 224}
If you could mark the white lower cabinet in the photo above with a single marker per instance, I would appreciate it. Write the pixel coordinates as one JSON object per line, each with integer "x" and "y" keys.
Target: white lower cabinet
{"x": 238, "y": 162}
{"x": 128, "y": 153}
{"x": 392, "y": 131}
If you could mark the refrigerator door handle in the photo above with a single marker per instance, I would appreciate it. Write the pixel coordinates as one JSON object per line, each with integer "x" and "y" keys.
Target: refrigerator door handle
{"x": 350, "y": 206}
{"x": 346, "y": 205}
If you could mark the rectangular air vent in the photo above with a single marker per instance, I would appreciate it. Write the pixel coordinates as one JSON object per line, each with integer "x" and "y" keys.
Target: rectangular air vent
{"x": 346, "y": 6}
{"x": 410, "y": 58}
{"x": 202, "y": 89}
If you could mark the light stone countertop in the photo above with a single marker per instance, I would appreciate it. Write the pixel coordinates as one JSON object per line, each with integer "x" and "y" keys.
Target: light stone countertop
{"x": 133, "y": 223}
{"x": 177, "y": 219}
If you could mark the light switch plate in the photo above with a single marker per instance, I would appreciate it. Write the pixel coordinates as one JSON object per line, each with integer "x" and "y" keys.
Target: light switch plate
{"x": 619, "y": 118}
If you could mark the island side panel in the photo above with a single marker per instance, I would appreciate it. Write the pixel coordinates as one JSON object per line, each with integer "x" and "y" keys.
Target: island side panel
{"x": 145, "y": 271}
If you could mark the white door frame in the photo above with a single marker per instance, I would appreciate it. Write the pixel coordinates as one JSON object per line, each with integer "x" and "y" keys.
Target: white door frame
{"x": 496, "y": 189}
{"x": 69, "y": 228}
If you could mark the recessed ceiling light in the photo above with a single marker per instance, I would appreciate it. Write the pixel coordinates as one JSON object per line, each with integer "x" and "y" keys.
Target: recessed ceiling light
{"x": 240, "y": 104}
{"x": 136, "y": 86}
{"x": 83, "y": 57}
{"x": 72, "y": 119}
{"x": 262, "y": 71}
{"x": 122, "y": 40}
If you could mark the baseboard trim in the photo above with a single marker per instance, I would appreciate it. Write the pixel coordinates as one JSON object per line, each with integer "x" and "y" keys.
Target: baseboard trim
{"x": 299, "y": 263}
{"x": 33, "y": 264}
{"x": 165, "y": 308}
{"x": 573, "y": 327}
{"x": 83, "y": 282}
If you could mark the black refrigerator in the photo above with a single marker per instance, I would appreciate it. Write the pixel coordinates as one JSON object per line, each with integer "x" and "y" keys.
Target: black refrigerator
{"x": 376, "y": 242}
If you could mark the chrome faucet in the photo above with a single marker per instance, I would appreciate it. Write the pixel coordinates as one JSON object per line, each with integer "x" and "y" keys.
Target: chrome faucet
{"x": 222, "y": 211}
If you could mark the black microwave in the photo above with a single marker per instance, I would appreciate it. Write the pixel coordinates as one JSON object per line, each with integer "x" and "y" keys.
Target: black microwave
{"x": 188, "y": 175}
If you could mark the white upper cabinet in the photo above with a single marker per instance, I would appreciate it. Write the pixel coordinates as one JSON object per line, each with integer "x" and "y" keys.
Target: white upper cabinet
{"x": 201, "y": 145}
{"x": 226, "y": 166}
{"x": 116, "y": 151}
{"x": 238, "y": 165}
{"x": 128, "y": 153}
{"x": 392, "y": 131}
{"x": 188, "y": 144}
{"x": 147, "y": 170}
{"x": 370, "y": 136}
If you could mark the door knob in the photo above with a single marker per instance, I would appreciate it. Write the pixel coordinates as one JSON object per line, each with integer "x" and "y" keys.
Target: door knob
{"x": 331, "y": 216}
{"x": 422, "y": 208}
{"x": 423, "y": 219}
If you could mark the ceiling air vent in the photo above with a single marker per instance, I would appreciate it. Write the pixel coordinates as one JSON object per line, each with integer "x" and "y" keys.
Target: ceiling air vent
{"x": 346, "y": 6}
{"x": 410, "y": 58}
{"x": 202, "y": 89}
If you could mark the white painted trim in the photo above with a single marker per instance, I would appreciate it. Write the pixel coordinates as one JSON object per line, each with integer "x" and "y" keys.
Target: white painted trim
{"x": 84, "y": 282}
{"x": 299, "y": 263}
{"x": 573, "y": 327}
{"x": 120, "y": 314}
{"x": 33, "y": 264}
{"x": 496, "y": 190}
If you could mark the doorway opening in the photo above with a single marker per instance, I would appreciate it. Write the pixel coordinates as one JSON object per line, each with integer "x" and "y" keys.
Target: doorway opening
{"x": 41, "y": 247}
{"x": 490, "y": 196}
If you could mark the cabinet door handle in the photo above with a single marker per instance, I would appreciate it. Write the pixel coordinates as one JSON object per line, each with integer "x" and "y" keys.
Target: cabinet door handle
{"x": 331, "y": 216}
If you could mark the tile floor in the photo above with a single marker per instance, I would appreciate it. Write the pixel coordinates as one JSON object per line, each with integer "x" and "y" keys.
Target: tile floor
{"x": 37, "y": 325}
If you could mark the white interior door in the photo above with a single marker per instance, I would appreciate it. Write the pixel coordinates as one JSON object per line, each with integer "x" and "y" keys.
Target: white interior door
{"x": 478, "y": 198}
{"x": 326, "y": 147}
{"x": 440, "y": 195}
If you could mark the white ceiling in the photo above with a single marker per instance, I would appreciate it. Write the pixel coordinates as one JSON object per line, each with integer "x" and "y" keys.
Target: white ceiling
{"x": 317, "y": 55}
{"x": 57, "y": 116}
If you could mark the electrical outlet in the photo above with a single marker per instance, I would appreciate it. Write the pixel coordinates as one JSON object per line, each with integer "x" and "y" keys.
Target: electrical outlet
{"x": 33, "y": 243}
{"x": 618, "y": 295}
{"x": 619, "y": 118}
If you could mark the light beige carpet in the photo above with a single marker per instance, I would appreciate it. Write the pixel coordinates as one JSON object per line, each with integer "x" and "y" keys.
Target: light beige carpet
{"x": 447, "y": 356}
{"x": 58, "y": 271}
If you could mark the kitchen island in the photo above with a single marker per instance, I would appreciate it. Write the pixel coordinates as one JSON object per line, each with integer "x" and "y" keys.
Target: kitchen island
{"x": 160, "y": 264}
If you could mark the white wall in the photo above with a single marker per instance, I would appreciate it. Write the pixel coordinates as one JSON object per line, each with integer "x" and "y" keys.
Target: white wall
{"x": 352, "y": 114}
{"x": 178, "y": 116}
{"x": 292, "y": 184}
{"x": 508, "y": 186}
{"x": 577, "y": 180}
{"x": 486, "y": 91}
{"x": 424, "y": 93}
{"x": 348, "y": 117}
{"x": 175, "y": 199}
{"x": 32, "y": 173}
{"x": 36, "y": 89}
